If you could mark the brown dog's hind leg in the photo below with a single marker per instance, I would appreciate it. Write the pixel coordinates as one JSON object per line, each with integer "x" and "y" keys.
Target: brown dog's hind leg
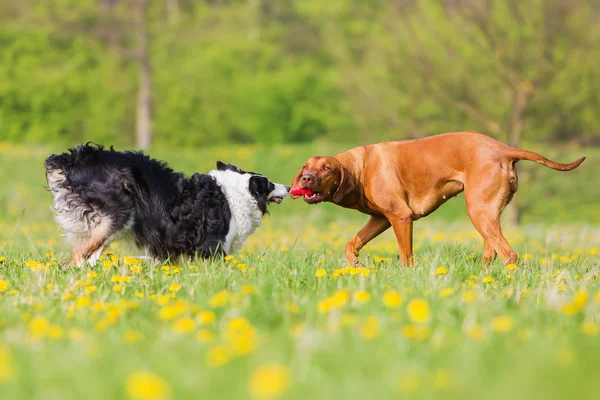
{"x": 375, "y": 226}
{"x": 489, "y": 254}
{"x": 487, "y": 192}
{"x": 90, "y": 246}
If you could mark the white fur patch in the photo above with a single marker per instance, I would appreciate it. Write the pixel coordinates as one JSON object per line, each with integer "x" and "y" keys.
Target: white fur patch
{"x": 71, "y": 214}
{"x": 246, "y": 216}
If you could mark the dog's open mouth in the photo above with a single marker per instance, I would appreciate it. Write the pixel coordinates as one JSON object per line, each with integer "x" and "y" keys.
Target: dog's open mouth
{"x": 276, "y": 199}
{"x": 310, "y": 196}
{"x": 313, "y": 197}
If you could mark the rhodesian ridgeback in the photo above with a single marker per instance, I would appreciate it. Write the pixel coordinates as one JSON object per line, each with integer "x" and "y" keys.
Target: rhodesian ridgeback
{"x": 399, "y": 182}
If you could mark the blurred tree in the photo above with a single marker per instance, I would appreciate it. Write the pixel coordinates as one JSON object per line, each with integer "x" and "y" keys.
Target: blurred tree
{"x": 296, "y": 70}
{"x": 122, "y": 24}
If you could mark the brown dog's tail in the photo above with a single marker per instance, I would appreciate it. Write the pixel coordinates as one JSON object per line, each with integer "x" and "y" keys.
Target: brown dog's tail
{"x": 520, "y": 154}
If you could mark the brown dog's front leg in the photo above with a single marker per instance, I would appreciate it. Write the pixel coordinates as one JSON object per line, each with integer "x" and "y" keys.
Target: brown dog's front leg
{"x": 375, "y": 226}
{"x": 403, "y": 229}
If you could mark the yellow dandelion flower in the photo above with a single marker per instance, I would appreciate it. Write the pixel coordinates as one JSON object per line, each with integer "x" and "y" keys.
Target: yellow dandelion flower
{"x": 172, "y": 311}
{"x": 512, "y": 267}
{"x": 488, "y": 279}
{"x": 362, "y": 296}
{"x": 205, "y": 336}
{"x": 580, "y": 299}
{"x": 293, "y": 308}
{"x": 91, "y": 289}
{"x": 218, "y": 355}
{"x": 325, "y": 306}
{"x": 139, "y": 295}
{"x": 370, "y": 328}
{"x": 241, "y": 335}
{"x": 241, "y": 266}
{"x": 3, "y": 285}
{"x": 590, "y": 328}
{"x": 184, "y": 325}
{"x": 248, "y": 289}
{"x": 174, "y": 287}
{"x": 340, "y": 298}
{"x": 132, "y": 336}
{"x": 502, "y": 323}
{"x": 569, "y": 309}
{"x": 441, "y": 271}
{"x": 145, "y": 385}
{"x": 475, "y": 332}
{"x": 136, "y": 269}
{"x": 561, "y": 287}
{"x": 107, "y": 264}
{"x": 38, "y": 327}
{"x": 269, "y": 381}
{"x": 320, "y": 273}
{"x": 206, "y": 317}
{"x": 117, "y": 288}
{"x": 219, "y": 299}
{"x": 8, "y": 365}
{"x": 392, "y": 299}
{"x": 469, "y": 296}
{"x": 228, "y": 258}
{"x": 162, "y": 300}
{"x": 120, "y": 279}
{"x": 445, "y": 292}
{"x": 131, "y": 261}
{"x": 419, "y": 311}
{"x": 2, "y": 259}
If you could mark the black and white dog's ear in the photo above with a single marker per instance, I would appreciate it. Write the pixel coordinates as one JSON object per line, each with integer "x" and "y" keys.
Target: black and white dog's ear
{"x": 259, "y": 188}
{"x": 221, "y": 166}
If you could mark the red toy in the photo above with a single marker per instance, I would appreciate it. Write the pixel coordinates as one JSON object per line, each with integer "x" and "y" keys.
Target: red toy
{"x": 298, "y": 191}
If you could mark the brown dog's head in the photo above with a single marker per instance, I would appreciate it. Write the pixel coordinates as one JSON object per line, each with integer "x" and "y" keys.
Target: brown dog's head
{"x": 326, "y": 177}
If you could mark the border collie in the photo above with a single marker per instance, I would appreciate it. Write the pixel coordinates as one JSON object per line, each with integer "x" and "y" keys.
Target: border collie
{"x": 98, "y": 194}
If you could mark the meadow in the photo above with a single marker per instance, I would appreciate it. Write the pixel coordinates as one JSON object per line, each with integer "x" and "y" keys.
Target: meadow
{"x": 288, "y": 318}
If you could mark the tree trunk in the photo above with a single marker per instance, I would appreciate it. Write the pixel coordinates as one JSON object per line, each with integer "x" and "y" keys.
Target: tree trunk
{"x": 144, "y": 96}
{"x": 513, "y": 210}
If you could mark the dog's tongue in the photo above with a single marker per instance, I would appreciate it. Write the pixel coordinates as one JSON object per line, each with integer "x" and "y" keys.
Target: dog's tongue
{"x": 298, "y": 191}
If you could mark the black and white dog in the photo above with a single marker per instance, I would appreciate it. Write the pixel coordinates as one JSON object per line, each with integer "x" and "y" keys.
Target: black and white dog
{"x": 100, "y": 193}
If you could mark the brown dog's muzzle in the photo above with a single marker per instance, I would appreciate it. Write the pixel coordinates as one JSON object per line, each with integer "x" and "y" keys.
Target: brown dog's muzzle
{"x": 308, "y": 180}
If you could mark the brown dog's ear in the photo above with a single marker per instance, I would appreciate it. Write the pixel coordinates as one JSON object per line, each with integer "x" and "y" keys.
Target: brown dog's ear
{"x": 345, "y": 187}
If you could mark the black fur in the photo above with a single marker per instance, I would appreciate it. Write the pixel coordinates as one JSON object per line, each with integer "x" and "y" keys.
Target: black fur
{"x": 172, "y": 214}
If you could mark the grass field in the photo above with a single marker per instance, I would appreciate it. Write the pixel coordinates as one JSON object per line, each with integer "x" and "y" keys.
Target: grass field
{"x": 287, "y": 318}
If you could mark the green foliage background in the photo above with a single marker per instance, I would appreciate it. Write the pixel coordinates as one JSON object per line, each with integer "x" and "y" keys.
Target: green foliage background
{"x": 276, "y": 71}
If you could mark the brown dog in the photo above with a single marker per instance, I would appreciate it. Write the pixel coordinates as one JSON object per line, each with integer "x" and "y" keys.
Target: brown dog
{"x": 399, "y": 182}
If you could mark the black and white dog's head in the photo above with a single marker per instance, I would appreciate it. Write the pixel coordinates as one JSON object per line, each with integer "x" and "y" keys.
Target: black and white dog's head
{"x": 259, "y": 186}
{"x": 248, "y": 195}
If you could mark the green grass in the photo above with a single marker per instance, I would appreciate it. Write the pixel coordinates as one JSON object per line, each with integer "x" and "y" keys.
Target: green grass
{"x": 71, "y": 335}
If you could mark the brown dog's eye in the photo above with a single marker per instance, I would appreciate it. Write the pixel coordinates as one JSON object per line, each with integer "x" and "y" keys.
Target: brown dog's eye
{"x": 326, "y": 168}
